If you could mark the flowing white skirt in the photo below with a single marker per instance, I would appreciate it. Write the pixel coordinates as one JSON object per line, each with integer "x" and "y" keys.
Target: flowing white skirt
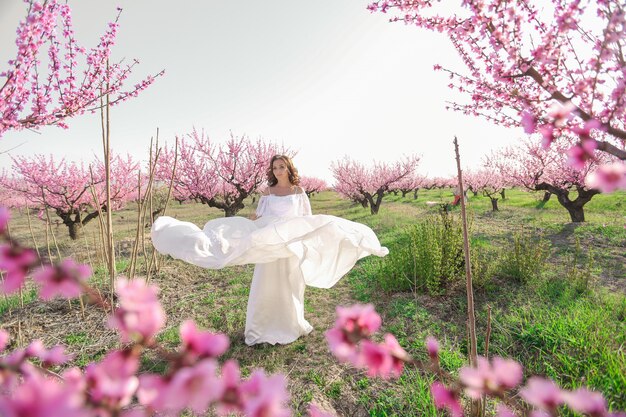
{"x": 289, "y": 254}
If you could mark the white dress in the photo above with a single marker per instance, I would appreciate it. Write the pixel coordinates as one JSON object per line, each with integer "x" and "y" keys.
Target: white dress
{"x": 291, "y": 249}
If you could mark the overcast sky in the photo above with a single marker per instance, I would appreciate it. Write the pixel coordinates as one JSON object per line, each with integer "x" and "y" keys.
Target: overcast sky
{"x": 326, "y": 78}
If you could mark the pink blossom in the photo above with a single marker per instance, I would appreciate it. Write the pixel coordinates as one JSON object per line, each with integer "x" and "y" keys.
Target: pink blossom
{"x": 194, "y": 387}
{"x": 397, "y": 354}
{"x": 200, "y": 344}
{"x": 16, "y": 261}
{"x": 53, "y": 356}
{"x": 504, "y": 411}
{"x": 586, "y": 402}
{"x": 494, "y": 378}
{"x": 608, "y": 178}
{"x": 561, "y": 113}
{"x": 4, "y": 339}
{"x": 314, "y": 411}
{"x": 64, "y": 279}
{"x": 268, "y": 395}
{"x": 352, "y": 325}
{"x": 432, "y": 346}
{"x": 385, "y": 360}
{"x": 5, "y": 216}
{"x": 152, "y": 391}
{"x": 445, "y": 398}
{"x": 580, "y": 153}
{"x": 375, "y": 358}
{"x": 529, "y": 123}
{"x": 140, "y": 315}
{"x": 52, "y": 399}
{"x": 547, "y": 132}
{"x": 112, "y": 381}
{"x": 230, "y": 396}
{"x": 542, "y": 393}
{"x": 585, "y": 131}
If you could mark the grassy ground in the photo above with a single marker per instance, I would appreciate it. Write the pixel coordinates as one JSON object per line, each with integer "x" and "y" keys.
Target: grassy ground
{"x": 564, "y": 324}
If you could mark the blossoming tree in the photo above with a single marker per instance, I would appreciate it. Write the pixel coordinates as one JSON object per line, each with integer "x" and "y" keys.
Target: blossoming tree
{"x": 312, "y": 185}
{"x": 553, "y": 67}
{"x": 369, "y": 184}
{"x": 65, "y": 187}
{"x": 75, "y": 78}
{"x": 219, "y": 175}
{"x": 535, "y": 168}
{"x": 490, "y": 182}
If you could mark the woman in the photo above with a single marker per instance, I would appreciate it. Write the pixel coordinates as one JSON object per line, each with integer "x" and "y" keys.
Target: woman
{"x": 291, "y": 249}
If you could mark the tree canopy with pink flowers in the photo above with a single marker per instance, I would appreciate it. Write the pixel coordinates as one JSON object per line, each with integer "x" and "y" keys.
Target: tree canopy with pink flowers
{"x": 64, "y": 186}
{"x": 221, "y": 175}
{"x": 552, "y": 67}
{"x": 531, "y": 166}
{"x": 368, "y": 184}
{"x": 75, "y": 78}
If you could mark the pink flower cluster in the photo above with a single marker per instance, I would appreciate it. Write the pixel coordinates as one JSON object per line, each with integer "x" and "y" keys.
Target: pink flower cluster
{"x": 350, "y": 341}
{"x": 139, "y": 316}
{"x": 112, "y": 386}
{"x": 219, "y": 175}
{"x": 367, "y": 184}
{"x": 65, "y": 186}
{"x": 62, "y": 89}
{"x": 557, "y": 73}
{"x": 65, "y": 279}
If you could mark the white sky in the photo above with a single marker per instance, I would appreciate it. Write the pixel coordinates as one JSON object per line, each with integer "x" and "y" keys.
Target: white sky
{"x": 324, "y": 77}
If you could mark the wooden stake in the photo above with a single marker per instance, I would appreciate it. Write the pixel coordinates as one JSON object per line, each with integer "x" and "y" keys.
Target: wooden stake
{"x": 471, "y": 318}
{"x": 32, "y": 235}
{"x": 106, "y": 144}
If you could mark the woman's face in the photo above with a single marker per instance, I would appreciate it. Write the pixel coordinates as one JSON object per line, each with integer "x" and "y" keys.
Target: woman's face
{"x": 279, "y": 168}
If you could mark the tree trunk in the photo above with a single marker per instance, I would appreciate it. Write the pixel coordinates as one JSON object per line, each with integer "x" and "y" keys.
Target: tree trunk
{"x": 74, "y": 228}
{"x": 573, "y": 207}
{"x": 502, "y": 194}
{"x": 577, "y": 214}
{"x": 415, "y": 194}
{"x": 74, "y": 225}
{"x": 375, "y": 205}
{"x": 404, "y": 193}
{"x": 494, "y": 204}
{"x": 546, "y": 197}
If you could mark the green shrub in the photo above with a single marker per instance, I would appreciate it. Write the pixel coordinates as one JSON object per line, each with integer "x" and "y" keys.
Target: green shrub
{"x": 527, "y": 258}
{"x": 579, "y": 272}
{"x": 426, "y": 257}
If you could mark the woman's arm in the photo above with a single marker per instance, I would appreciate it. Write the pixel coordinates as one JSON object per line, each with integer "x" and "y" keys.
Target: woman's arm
{"x": 261, "y": 206}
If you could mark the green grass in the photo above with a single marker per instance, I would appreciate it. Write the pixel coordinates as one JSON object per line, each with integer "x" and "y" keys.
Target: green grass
{"x": 552, "y": 323}
{"x": 12, "y": 302}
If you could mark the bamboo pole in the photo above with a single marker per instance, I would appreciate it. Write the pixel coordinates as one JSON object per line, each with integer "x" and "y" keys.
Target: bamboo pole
{"x": 153, "y": 259}
{"x": 106, "y": 144}
{"x": 133, "y": 256}
{"x": 94, "y": 195}
{"x": 169, "y": 191}
{"x": 471, "y": 318}
{"x": 32, "y": 235}
{"x": 148, "y": 195}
